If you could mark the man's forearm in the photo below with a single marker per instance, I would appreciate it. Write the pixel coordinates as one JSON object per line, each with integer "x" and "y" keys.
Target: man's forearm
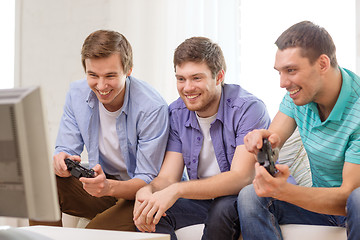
{"x": 321, "y": 200}
{"x": 226, "y": 183}
{"x": 159, "y": 183}
{"x": 125, "y": 189}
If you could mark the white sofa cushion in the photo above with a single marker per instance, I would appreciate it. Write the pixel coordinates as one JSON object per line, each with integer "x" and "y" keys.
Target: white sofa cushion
{"x": 289, "y": 232}
{"x": 294, "y": 155}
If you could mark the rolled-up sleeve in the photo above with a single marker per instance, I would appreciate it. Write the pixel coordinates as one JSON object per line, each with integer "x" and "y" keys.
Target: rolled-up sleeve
{"x": 153, "y": 132}
{"x": 69, "y": 139}
{"x": 254, "y": 116}
{"x": 174, "y": 143}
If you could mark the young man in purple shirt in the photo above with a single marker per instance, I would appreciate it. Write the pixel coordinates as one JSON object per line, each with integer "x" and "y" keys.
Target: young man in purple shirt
{"x": 207, "y": 126}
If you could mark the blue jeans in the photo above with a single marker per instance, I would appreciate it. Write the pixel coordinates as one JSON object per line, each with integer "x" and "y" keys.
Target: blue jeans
{"x": 260, "y": 217}
{"x": 219, "y": 216}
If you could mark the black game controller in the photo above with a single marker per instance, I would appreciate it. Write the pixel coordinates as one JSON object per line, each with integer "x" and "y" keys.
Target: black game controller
{"x": 267, "y": 157}
{"x": 77, "y": 170}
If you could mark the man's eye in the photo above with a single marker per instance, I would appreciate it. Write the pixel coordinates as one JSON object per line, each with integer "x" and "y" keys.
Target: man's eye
{"x": 291, "y": 70}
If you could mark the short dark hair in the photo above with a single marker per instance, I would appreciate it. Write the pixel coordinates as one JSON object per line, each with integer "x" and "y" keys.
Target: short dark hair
{"x": 200, "y": 49}
{"x": 312, "y": 39}
{"x": 103, "y": 43}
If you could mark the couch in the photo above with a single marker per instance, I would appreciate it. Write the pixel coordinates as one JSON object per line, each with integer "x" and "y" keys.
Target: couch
{"x": 292, "y": 154}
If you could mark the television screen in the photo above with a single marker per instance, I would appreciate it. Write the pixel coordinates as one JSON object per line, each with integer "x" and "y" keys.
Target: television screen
{"x": 27, "y": 180}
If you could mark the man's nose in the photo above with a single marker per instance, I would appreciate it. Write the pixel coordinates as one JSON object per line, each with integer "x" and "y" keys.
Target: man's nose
{"x": 102, "y": 84}
{"x": 188, "y": 85}
{"x": 284, "y": 81}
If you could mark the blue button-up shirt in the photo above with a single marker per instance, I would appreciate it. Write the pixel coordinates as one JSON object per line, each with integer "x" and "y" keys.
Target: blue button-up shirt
{"x": 142, "y": 127}
{"x": 239, "y": 113}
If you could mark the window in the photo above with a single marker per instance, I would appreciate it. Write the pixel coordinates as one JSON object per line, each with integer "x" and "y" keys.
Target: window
{"x": 7, "y": 43}
{"x": 263, "y": 21}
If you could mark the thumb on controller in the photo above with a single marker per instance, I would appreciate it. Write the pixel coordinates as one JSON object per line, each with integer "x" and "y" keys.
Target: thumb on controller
{"x": 98, "y": 170}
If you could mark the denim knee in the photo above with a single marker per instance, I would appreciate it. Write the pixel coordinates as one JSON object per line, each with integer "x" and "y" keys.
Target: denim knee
{"x": 247, "y": 199}
{"x": 223, "y": 220}
{"x": 223, "y": 207}
{"x": 353, "y": 204}
{"x": 353, "y": 214}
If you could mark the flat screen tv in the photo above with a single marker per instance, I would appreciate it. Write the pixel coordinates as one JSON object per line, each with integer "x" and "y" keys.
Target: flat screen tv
{"x": 27, "y": 180}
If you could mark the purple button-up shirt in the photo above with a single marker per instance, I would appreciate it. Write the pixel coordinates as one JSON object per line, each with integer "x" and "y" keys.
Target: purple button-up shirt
{"x": 239, "y": 113}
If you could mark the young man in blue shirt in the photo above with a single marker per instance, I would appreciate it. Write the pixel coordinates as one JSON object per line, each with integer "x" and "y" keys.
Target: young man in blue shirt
{"x": 122, "y": 121}
{"x": 323, "y": 102}
{"x": 207, "y": 126}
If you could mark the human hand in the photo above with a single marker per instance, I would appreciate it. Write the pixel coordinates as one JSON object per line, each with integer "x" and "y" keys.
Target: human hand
{"x": 141, "y": 199}
{"x": 150, "y": 211}
{"x": 253, "y": 141}
{"x": 98, "y": 186}
{"x": 266, "y": 185}
{"x": 60, "y": 167}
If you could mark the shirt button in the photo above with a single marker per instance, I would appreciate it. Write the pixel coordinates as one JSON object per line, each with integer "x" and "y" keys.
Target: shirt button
{"x": 198, "y": 138}
{"x": 194, "y": 160}
{"x": 228, "y": 100}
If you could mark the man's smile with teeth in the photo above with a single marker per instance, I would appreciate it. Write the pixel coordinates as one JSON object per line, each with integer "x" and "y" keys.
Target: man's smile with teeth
{"x": 104, "y": 93}
{"x": 294, "y": 91}
{"x": 192, "y": 96}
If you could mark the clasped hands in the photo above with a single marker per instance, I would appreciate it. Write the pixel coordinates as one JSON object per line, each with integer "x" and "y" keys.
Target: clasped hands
{"x": 150, "y": 207}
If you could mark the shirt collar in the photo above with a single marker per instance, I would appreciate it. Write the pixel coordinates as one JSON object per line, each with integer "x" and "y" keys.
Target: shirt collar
{"x": 338, "y": 110}
{"x": 220, "y": 113}
{"x": 91, "y": 99}
{"x": 192, "y": 121}
{"x": 125, "y": 106}
{"x": 344, "y": 97}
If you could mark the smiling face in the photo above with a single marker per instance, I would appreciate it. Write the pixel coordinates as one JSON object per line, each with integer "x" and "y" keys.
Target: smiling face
{"x": 199, "y": 91}
{"x": 301, "y": 79}
{"x": 106, "y": 78}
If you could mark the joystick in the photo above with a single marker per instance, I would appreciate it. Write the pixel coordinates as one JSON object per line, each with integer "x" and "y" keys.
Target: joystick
{"x": 77, "y": 170}
{"x": 268, "y": 156}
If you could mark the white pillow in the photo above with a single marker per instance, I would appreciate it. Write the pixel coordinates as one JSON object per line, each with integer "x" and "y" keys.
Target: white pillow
{"x": 294, "y": 155}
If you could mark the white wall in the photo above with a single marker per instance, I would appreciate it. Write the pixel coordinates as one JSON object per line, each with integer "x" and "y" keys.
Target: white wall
{"x": 50, "y": 34}
{"x": 357, "y": 30}
{"x": 261, "y": 26}
{"x": 7, "y": 42}
{"x": 49, "y": 39}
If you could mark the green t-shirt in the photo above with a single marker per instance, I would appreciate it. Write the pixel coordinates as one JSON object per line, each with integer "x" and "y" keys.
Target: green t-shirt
{"x": 337, "y": 140}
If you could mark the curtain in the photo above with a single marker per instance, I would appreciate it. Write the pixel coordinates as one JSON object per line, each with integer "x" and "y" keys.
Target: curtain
{"x": 154, "y": 28}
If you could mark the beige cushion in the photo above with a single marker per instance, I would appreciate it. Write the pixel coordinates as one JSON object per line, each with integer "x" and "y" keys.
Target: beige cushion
{"x": 294, "y": 155}
{"x": 312, "y": 232}
{"x": 289, "y": 231}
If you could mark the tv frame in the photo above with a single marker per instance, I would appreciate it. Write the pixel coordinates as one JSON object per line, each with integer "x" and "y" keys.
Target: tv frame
{"x": 28, "y": 187}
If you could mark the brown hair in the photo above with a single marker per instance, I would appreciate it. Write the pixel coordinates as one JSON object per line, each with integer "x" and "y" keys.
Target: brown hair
{"x": 200, "y": 49}
{"x": 103, "y": 43}
{"x": 312, "y": 39}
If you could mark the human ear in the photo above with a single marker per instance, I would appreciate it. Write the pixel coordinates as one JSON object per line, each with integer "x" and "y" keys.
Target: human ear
{"x": 129, "y": 72}
{"x": 324, "y": 62}
{"x": 220, "y": 77}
